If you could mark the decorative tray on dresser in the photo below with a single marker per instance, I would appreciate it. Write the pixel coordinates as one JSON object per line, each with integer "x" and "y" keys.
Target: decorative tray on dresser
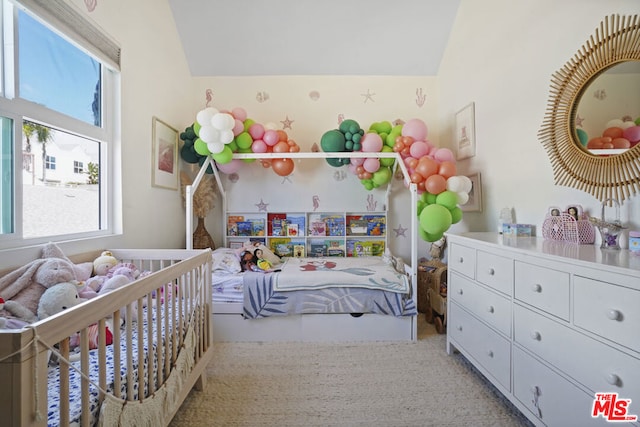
{"x": 555, "y": 326}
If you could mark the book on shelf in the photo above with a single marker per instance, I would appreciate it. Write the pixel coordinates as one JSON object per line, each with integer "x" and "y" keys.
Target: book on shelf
{"x": 375, "y": 225}
{"x": 232, "y": 224}
{"x": 318, "y": 228}
{"x": 299, "y": 251}
{"x": 292, "y": 230}
{"x": 245, "y": 228}
{"x": 275, "y": 219}
{"x": 281, "y": 246}
{"x": 335, "y": 248}
{"x": 368, "y": 248}
{"x": 358, "y": 227}
{"x": 298, "y": 222}
{"x": 317, "y": 248}
{"x": 335, "y": 225}
{"x": 257, "y": 226}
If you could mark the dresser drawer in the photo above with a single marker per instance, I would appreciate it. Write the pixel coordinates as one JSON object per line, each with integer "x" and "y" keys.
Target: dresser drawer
{"x": 495, "y": 271}
{"x": 608, "y": 310}
{"x": 483, "y": 344}
{"x": 484, "y": 304}
{"x": 596, "y": 365}
{"x": 550, "y": 398}
{"x": 462, "y": 259}
{"x": 543, "y": 288}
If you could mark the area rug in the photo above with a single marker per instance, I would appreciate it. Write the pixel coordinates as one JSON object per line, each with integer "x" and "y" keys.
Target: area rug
{"x": 344, "y": 384}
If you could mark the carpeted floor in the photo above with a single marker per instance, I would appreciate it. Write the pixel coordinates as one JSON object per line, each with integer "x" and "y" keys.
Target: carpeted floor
{"x": 345, "y": 384}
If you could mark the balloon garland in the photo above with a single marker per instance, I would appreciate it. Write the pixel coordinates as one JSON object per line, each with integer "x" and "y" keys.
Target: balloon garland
{"x": 432, "y": 169}
{"x": 220, "y": 133}
{"x": 618, "y": 134}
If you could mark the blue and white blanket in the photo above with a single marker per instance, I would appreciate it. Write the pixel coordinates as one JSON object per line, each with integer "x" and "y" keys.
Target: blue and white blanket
{"x": 263, "y": 299}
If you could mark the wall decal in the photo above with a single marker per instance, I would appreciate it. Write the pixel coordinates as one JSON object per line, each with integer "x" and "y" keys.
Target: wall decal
{"x": 262, "y": 97}
{"x": 262, "y": 206}
{"x": 208, "y": 96}
{"x": 420, "y": 98}
{"x": 91, "y": 5}
{"x": 286, "y": 123}
{"x": 340, "y": 118}
{"x": 316, "y": 202}
{"x": 371, "y": 203}
{"x": 400, "y": 231}
{"x": 314, "y": 95}
{"x": 368, "y": 96}
{"x": 339, "y": 175}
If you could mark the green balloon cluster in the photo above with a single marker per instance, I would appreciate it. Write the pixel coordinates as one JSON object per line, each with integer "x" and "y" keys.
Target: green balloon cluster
{"x": 436, "y": 213}
{"x": 191, "y": 151}
{"x": 344, "y": 139}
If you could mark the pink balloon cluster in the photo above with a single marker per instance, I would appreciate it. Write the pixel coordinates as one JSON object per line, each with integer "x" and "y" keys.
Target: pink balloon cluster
{"x": 222, "y": 133}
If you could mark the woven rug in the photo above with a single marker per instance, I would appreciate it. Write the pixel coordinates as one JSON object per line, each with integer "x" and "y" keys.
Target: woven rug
{"x": 345, "y": 384}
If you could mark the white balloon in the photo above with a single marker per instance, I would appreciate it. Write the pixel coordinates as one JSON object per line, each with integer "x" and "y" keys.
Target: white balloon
{"x": 455, "y": 184}
{"x": 615, "y": 123}
{"x": 467, "y": 183}
{"x": 226, "y": 136}
{"x": 204, "y": 116}
{"x": 215, "y": 147}
{"x": 462, "y": 197}
{"x": 627, "y": 124}
{"x": 209, "y": 134}
{"x": 222, "y": 121}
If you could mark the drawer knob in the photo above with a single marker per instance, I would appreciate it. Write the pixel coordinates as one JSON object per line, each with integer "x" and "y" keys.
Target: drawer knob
{"x": 490, "y": 309}
{"x": 459, "y": 328}
{"x": 460, "y": 260}
{"x": 491, "y": 272}
{"x": 536, "y": 335}
{"x": 460, "y": 292}
{"x": 613, "y": 379}
{"x": 537, "y": 288}
{"x": 490, "y": 353}
{"x": 614, "y": 314}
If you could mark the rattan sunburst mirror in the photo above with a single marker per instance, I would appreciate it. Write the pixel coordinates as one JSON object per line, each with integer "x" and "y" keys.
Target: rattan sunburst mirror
{"x": 615, "y": 41}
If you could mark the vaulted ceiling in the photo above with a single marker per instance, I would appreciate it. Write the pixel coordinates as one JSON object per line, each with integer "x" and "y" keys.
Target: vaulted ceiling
{"x": 304, "y": 37}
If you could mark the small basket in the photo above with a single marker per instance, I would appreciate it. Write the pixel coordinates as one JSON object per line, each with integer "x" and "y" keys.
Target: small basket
{"x": 432, "y": 278}
{"x": 609, "y": 230}
{"x": 566, "y": 227}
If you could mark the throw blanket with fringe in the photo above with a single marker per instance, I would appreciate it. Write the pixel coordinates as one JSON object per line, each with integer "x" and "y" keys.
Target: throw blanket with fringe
{"x": 339, "y": 272}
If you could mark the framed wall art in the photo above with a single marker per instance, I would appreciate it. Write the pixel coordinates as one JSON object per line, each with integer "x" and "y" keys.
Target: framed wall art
{"x": 164, "y": 156}
{"x": 465, "y": 132}
{"x": 474, "y": 204}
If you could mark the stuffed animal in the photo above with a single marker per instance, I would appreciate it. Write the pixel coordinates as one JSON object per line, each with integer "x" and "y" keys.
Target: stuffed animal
{"x": 58, "y": 298}
{"x": 121, "y": 276}
{"x": 20, "y": 314}
{"x": 83, "y": 270}
{"x": 103, "y": 263}
{"x": 26, "y": 284}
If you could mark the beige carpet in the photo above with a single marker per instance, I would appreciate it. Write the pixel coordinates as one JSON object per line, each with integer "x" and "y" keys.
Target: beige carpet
{"x": 345, "y": 384}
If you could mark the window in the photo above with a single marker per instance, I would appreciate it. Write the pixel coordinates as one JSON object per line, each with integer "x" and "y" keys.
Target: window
{"x": 57, "y": 114}
{"x": 78, "y": 167}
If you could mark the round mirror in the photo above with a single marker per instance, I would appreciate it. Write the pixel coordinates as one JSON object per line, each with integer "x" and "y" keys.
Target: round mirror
{"x": 607, "y": 115}
{"x": 613, "y": 175}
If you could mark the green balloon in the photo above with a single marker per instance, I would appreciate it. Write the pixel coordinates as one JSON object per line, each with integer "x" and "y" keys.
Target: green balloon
{"x": 244, "y": 141}
{"x": 381, "y": 176}
{"x": 456, "y": 215}
{"x": 368, "y": 184}
{"x": 448, "y": 199}
{"x": 582, "y": 137}
{"x": 233, "y": 145}
{"x": 201, "y": 161}
{"x": 247, "y": 124}
{"x": 225, "y": 156}
{"x": 188, "y": 154}
{"x": 201, "y": 147}
{"x": 435, "y": 219}
{"x": 429, "y": 198}
{"x": 420, "y": 205}
{"x": 432, "y": 237}
{"x": 387, "y": 162}
{"x": 336, "y": 163}
{"x": 333, "y": 141}
{"x": 350, "y": 126}
{"x": 196, "y": 128}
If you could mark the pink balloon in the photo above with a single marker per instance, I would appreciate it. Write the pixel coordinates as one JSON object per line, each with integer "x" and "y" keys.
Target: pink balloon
{"x": 270, "y": 137}
{"x": 444, "y": 155}
{"x": 256, "y": 131}
{"x": 418, "y": 149}
{"x": 371, "y": 165}
{"x": 238, "y": 127}
{"x": 352, "y": 168}
{"x": 416, "y": 129}
{"x": 239, "y": 113}
{"x": 258, "y": 146}
{"x": 371, "y": 143}
{"x": 232, "y": 167}
{"x": 357, "y": 161}
{"x": 632, "y": 133}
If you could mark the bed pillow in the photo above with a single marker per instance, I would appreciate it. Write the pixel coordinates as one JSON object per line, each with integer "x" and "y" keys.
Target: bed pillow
{"x": 226, "y": 260}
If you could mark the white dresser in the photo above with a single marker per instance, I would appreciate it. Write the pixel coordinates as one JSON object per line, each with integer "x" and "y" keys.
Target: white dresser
{"x": 549, "y": 323}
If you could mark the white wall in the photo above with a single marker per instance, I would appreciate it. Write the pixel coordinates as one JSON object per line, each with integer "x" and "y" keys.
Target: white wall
{"x": 501, "y": 55}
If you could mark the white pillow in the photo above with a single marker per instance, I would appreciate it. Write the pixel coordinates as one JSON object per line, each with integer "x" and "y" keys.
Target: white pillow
{"x": 226, "y": 260}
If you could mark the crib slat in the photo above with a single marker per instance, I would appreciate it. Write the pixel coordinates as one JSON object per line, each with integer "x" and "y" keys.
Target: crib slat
{"x": 102, "y": 357}
{"x": 84, "y": 358}
{"x": 64, "y": 382}
{"x": 141, "y": 350}
{"x": 129, "y": 338}
{"x": 150, "y": 381}
{"x": 117, "y": 367}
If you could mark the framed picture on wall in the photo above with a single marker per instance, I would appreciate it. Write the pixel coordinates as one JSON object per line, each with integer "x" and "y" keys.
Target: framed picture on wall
{"x": 164, "y": 155}
{"x": 474, "y": 204}
{"x": 465, "y": 132}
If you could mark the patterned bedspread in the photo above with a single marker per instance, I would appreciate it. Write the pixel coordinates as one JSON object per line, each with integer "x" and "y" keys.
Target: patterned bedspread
{"x": 339, "y": 272}
{"x": 261, "y": 299}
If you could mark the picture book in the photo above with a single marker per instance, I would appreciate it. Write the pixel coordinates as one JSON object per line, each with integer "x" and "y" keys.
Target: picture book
{"x": 334, "y": 248}
{"x": 275, "y": 219}
{"x": 292, "y": 230}
{"x": 281, "y": 246}
{"x": 257, "y": 227}
{"x": 368, "y": 248}
{"x": 335, "y": 225}
{"x": 245, "y": 228}
{"x": 318, "y": 248}
{"x": 299, "y": 251}
{"x": 358, "y": 227}
{"x": 297, "y": 220}
{"x": 232, "y": 224}
{"x": 318, "y": 228}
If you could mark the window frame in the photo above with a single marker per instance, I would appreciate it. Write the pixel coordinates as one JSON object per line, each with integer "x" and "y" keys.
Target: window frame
{"x": 19, "y": 109}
